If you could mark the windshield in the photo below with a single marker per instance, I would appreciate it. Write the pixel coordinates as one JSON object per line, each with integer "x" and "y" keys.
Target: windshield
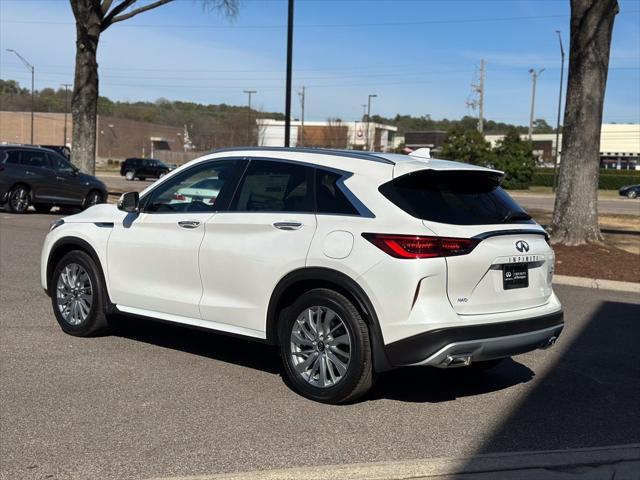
{"x": 456, "y": 197}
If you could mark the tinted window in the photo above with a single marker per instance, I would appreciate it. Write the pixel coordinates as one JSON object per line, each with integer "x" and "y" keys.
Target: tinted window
{"x": 177, "y": 195}
{"x": 274, "y": 187}
{"x": 330, "y": 198}
{"x": 208, "y": 184}
{"x": 461, "y": 198}
{"x": 34, "y": 158}
{"x": 60, "y": 164}
{"x": 12, "y": 156}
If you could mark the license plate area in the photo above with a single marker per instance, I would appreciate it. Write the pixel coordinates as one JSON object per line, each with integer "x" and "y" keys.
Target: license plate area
{"x": 515, "y": 275}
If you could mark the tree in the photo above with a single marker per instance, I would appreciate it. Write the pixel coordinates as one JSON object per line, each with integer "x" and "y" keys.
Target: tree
{"x": 575, "y": 214}
{"x": 467, "y": 146}
{"x": 92, "y": 18}
{"x": 515, "y": 157}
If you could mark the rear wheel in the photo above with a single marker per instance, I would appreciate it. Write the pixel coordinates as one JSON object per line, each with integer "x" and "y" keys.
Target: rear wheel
{"x": 77, "y": 295}
{"x": 42, "y": 207}
{"x": 129, "y": 175}
{"x": 19, "y": 199}
{"x": 325, "y": 348}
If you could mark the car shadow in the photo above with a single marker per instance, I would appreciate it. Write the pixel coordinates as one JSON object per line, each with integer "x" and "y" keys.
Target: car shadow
{"x": 216, "y": 346}
{"x": 411, "y": 384}
{"x": 434, "y": 385}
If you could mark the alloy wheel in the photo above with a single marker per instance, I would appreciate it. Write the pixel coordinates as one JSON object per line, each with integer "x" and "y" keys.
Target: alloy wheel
{"x": 321, "y": 347}
{"x": 19, "y": 199}
{"x": 94, "y": 198}
{"x": 74, "y": 294}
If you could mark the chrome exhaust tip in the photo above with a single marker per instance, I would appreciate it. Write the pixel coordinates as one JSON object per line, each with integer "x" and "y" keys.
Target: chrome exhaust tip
{"x": 457, "y": 360}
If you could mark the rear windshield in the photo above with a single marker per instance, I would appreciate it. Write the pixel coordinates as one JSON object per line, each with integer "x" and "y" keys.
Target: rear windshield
{"x": 457, "y": 197}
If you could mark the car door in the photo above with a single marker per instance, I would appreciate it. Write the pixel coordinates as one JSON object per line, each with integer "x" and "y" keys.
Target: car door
{"x": 153, "y": 255}
{"x": 38, "y": 175}
{"x": 67, "y": 186}
{"x": 264, "y": 235}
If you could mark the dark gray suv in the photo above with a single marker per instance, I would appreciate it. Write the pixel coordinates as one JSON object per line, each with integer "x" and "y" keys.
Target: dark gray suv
{"x": 44, "y": 178}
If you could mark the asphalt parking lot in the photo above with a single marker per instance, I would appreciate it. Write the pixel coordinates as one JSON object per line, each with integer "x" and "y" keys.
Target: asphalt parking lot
{"x": 154, "y": 400}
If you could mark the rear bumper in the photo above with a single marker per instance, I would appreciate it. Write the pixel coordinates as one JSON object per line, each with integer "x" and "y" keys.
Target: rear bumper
{"x": 460, "y": 345}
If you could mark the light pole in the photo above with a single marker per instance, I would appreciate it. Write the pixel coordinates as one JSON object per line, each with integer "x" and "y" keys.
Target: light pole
{"x": 66, "y": 108}
{"x": 557, "y": 157}
{"x": 534, "y": 78}
{"x": 32, "y": 68}
{"x": 302, "y": 94}
{"x": 249, "y": 92}
{"x": 287, "y": 109}
{"x": 369, "y": 147}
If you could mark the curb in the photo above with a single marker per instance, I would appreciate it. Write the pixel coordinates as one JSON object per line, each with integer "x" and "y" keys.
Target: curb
{"x": 517, "y": 463}
{"x": 599, "y": 284}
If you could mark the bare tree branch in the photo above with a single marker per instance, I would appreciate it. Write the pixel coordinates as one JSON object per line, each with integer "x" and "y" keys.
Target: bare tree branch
{"x": 118, "y": 9}
{"x": 106, "y": 5}
{"x": 135, "y": 12}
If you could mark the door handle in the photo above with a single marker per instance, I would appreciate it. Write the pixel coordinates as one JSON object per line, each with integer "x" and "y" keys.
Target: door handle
{"x": 59, "y": 178}
{"x": 288, "y": 225}
{"x": 29, "y": 172}
{"x": 189, "y": 224}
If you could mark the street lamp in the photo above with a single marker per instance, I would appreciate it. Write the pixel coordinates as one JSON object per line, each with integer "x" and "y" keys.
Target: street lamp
{"x": 557, "y": 157}
{"x": 249, "y": 92}
{"x": 534, "y": 78}
{"x": 32, "y": 68}
{"x": 369, "y": 147}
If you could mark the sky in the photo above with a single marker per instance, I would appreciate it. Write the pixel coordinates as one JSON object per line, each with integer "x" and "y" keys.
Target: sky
{"x": 419, "y": 57}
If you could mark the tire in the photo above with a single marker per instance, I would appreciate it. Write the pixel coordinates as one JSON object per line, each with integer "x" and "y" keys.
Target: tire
{"x": 94, "y": 197}
{"x": 632, "y": 194}
{"x": 130, "y": 175}
{"x": 343, "y": 382}
{"x": 87, "y": 318}
{"x": 486, "y": 365}
{"x": 18, "y": 200}
{"x": 42, "y": 207}
{"x": 162, "y": 174}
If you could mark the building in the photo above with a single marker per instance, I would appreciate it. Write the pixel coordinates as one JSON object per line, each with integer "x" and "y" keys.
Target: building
{"x": 433, "y": 139}
{"x": 116, "y": 138}
{"x": 619, "y": 146}
{"x": 329, "y": 134}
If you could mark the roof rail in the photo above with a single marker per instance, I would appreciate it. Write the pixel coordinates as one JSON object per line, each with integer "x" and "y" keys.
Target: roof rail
{"x": 361, "y": 155}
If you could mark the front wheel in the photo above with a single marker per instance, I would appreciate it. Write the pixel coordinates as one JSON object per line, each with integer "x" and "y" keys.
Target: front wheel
{"x": 325, "y": 348}
{"x": 632, "y": 194}
{"x": 77, "y": 295}
{"x": 19, "y": 199}
{"x": 94, "y": 197}
{"x": 129, "y": 175}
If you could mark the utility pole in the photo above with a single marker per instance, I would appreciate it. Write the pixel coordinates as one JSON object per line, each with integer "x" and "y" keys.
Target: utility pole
{"x": 249, "y": 92}
{"x": 481, "y": 101}
{"x": 557, "y": 156}
{"x": 33, "y": 101}
{"x": 302, "y": 95}
{"x": 369, "y": 146}
{"x": 287, "y": 109}
{"x": 534, "y": 79}
{"x": 66, "y": 108}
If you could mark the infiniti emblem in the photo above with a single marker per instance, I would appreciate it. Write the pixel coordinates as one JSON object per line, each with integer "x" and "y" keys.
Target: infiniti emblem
{"x": 522, "y": 246}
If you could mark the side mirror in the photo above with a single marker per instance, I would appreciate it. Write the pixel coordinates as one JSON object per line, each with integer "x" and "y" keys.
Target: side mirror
{"x": 129, "y": 202}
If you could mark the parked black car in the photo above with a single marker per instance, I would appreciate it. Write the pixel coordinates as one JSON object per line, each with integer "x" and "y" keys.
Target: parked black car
{"x": 630, "y": 191}
{"x": 143, "y": 168}
{"x": 44, "y": 178}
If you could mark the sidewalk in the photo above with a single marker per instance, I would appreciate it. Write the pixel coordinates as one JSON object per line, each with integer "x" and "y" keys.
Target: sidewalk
{"x": 600, "y": 463}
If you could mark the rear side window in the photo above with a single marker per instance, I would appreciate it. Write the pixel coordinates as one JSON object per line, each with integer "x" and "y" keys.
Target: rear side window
{"x": 274, "y": 187}
{"x": 33, "y": 158}
{"x": 331, "y": 199}
{"x": 456, "y": 197}
{"x": 12, "y": 157}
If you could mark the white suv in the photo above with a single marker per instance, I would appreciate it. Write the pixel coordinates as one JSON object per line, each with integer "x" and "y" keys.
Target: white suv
{"x": 352, "y": 262}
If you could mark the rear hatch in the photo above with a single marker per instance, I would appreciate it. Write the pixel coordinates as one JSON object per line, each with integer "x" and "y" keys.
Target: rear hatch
{"x": 511, "y": 265}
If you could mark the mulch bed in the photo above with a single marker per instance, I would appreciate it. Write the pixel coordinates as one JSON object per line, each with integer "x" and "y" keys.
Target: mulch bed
{"x": 597, "y": 261}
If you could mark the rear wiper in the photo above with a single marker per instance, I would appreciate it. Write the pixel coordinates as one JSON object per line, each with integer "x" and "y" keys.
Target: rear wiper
{"x": 513, "y": 216}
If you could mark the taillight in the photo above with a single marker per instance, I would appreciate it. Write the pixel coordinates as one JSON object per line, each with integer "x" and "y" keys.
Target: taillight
{"x": 180, "y": 197}
{"x": 419, "y": 246}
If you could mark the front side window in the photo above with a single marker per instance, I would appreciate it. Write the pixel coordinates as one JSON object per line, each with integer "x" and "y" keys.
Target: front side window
{"x": 60, "y": 164}
{"x": 274, "y": 187}
{"x": 196, "y": 190}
